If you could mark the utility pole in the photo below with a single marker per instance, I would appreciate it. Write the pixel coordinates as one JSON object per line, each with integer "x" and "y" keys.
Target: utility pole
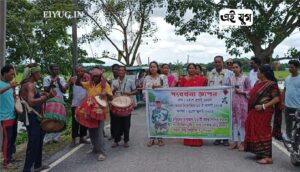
{"x": 2, "y": 46}
{"x": 2, "y": 32}
{"x": 74, "y": 37}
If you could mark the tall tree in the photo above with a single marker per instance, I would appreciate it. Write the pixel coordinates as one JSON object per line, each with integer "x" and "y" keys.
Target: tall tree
{"x": 120, "y": 15}
{"x": 33, "y": 37}
{"x": 273, "y": 21}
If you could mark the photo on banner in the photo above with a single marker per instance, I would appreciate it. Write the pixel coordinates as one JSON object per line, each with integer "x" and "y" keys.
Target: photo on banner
{"x": 190, "y": 112}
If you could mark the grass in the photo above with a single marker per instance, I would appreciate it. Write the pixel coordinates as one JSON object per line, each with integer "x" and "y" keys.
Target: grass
{"x": 281, "y": 75}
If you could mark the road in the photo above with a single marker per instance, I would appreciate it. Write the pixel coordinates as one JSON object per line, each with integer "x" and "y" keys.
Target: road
{"x": 173, "y": 157}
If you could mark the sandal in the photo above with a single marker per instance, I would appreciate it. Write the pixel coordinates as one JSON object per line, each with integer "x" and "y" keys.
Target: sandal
{"x": 233, "y": 146}
{"x": 150, "y": 143}
{"x": 225, "y": 143}
{"x": 265, "y": 161}
{"x": 160, "y": 142}
{"x": 217, "y": 142}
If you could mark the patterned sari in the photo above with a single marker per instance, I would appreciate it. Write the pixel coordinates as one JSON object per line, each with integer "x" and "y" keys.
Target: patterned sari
{"x": 258, "y": 138}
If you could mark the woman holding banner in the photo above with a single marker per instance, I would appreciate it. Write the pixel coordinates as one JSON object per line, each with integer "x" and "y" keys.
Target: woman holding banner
{"x": 264, "y": 96}
{"x": 192, "y": 80}
{"x": 242, "y": 87}
{"x": 154, "y": 80}
{"x": 172, "y": 81}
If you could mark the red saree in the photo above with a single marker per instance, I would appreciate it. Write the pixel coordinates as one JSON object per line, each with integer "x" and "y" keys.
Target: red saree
{"x": 258, "y": 137}
{"x": 196, "y": 81}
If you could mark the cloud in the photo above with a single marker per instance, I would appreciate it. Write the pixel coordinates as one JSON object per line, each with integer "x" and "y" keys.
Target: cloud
{"x": 172, "y": 48}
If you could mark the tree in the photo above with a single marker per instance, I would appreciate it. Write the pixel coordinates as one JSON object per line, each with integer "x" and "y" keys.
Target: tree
{"x": 33, "y": 38}
{"x": 273, "y": 21}
{"x": 120, "y": 15}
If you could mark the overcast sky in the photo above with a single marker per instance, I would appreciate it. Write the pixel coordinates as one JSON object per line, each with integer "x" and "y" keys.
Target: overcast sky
{"x": 173, "y": 48}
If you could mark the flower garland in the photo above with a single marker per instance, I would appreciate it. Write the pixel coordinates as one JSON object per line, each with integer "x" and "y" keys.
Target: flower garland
{"x": 221, "y": 77}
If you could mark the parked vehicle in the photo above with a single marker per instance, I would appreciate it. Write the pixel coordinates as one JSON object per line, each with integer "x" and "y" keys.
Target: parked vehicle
{"x": 293, "y": 144}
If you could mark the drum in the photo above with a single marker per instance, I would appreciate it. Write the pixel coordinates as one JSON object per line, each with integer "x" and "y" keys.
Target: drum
{"x": 54, "y": 119}
{"x": 90, "y": 112}
{"x": 121, "y": 106}
{"x": 100, "y": 101}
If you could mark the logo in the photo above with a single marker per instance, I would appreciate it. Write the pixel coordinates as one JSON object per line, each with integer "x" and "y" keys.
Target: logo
{"x": 236, "y": 17}
{"x": 63, "y": 14}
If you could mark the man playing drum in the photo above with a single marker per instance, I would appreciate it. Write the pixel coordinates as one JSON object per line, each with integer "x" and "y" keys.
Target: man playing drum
{"x": 31, "y": 95}
{"x": 96, "y": 87}
{"x": 56, "y": 105}
{"x": 122, "y": 86}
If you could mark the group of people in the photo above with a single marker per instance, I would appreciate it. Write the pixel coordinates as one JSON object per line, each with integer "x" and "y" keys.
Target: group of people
{"x": 256, "y": 99}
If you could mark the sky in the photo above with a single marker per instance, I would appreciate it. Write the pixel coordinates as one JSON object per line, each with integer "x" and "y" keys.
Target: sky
{"x": 171, "y": 48}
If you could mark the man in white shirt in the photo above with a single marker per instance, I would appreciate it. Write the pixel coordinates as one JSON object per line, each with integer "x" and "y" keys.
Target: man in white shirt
{"x": 218, "y": 77}
{"x": 254, "y": 63}
{"x": 58, "y": 83}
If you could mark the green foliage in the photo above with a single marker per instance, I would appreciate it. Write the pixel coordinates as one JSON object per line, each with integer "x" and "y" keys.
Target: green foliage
{"x": 273, "y": 22}
{"x": 21, "y": 138}
{"x": 33, "y": 38}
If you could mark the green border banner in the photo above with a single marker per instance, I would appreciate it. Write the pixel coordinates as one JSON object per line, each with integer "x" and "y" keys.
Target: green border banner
{"x": 194, "y": 112}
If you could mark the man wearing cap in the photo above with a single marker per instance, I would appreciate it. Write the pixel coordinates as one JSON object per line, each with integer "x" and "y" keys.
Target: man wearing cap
{"x": 160, "y": 117}
{"x": 31, "y": 95}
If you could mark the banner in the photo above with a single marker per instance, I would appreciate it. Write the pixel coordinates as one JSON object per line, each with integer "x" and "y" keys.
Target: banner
{"x": 203, "y": 112}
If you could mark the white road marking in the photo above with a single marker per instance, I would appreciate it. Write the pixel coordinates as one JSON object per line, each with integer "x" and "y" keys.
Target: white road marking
{"x": 281, "y": 148}
{"x": 55, "y": 163}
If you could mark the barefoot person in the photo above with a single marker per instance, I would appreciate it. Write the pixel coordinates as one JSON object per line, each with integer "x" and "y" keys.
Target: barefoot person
{"x": 7, "y": 115}
{"x": 242, "y": 87}
{"x": 31, "y": 95}
{"x": 263, "y": 98}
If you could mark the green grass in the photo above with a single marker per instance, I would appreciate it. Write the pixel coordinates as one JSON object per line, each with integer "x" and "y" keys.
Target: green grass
{"x": 281, "y": 75}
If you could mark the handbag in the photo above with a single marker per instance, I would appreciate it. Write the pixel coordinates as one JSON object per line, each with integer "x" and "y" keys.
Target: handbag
{"x": 22, "y": 109}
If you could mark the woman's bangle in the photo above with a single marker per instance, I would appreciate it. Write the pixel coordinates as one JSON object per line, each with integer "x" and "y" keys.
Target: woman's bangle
{"x": 263, "y": 106}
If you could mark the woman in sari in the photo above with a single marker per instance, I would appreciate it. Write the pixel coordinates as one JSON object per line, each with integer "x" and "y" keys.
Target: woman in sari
{"x": 242, "y": 87}
{"x": 172, "y": 82}
{"x": 192, "y": 80}
{"x": 264, "y": 96}
{"x": 154, "y": 80}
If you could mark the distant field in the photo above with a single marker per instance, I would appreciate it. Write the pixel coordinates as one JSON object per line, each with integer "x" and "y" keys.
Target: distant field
{"x": 281, "y": 75}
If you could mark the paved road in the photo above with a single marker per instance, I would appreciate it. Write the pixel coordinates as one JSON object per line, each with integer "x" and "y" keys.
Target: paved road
{"x": 173, "y": 157}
